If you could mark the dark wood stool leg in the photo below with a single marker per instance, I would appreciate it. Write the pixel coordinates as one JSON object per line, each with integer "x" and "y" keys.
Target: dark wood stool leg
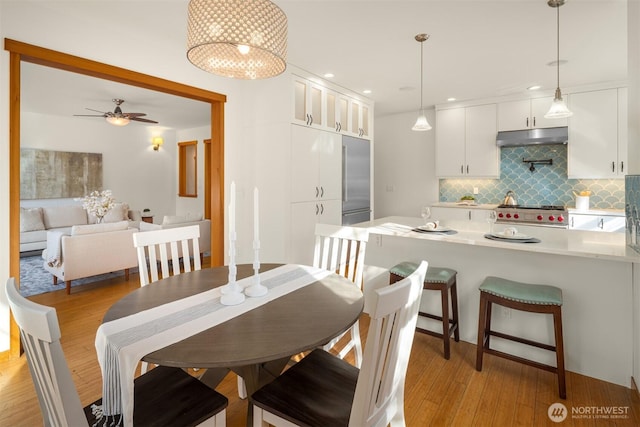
{"x": 444, "y": 295}
{"x": 557, "y": 326}
{"x": 482, "y": 327}
{"x": 454, "y": 309}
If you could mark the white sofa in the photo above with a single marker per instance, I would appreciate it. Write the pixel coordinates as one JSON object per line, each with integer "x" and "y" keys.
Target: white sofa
{"x": 35, "y": 222}
{"x": 89, "y": 250}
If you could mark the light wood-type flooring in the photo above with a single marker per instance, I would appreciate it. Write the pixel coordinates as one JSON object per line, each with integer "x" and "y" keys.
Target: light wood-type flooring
{"x": 438, "y": 392}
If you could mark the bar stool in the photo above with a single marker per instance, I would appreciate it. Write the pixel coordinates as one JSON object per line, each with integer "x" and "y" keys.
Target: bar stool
{"x": 436, "y": 279}
{"x": 524, "y": 297}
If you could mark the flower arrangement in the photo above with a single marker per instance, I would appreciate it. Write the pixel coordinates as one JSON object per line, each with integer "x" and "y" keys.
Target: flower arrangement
{"x": 98, "y": 203}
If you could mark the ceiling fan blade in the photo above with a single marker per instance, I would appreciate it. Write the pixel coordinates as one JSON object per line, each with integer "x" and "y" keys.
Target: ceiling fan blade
{"x": 130, "y": 115}
{"x": 137, "y": 119}
{"x": 90, "y": 115}
{"x": 97, "y": 111}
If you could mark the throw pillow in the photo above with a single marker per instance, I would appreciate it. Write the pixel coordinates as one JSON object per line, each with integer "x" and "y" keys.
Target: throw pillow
{"x": 31, "y": 219}
{"x": 77, "y": 230}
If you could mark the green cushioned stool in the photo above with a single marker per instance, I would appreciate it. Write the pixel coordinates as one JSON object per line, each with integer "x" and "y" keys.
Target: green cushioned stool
{"x": 436, "y": 279}
{"x": 524, "y": 297}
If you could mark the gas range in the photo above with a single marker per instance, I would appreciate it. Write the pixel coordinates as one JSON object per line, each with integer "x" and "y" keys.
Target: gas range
{"x": 546, "y": 215}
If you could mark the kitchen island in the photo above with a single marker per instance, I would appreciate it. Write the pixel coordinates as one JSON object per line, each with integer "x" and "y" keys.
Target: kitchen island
{"x": 594, "y": 270}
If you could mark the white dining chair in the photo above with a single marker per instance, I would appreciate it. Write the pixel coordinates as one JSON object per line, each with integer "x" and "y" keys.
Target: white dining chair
{"x": 157, "y": 248}
{"x": 163, "y": 396}
{"x": 323, "y": 390}
{"x": 342, "y": 249}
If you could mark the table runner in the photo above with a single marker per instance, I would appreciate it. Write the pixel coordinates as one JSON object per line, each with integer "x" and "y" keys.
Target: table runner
{"x": 123, "y": 342}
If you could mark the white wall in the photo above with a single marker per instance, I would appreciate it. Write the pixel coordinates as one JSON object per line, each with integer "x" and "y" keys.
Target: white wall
{"x": 404, "y": 165}
{"x": 132, "y": 170}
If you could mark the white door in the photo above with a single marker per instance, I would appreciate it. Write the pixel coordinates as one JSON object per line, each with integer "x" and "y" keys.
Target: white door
{"x": 481, "y": 150}
{"x": 514, "y": 115}
{"x": 450, "y": 141}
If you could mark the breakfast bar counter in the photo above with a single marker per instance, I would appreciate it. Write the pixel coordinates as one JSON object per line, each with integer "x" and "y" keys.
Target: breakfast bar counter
{"x": 594, "y": 270}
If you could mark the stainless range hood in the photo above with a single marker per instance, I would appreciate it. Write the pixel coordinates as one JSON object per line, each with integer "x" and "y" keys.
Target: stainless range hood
{"x": 545, "y": 136}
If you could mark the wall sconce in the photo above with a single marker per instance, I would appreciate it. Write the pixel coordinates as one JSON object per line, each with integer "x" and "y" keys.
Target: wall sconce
{"x": 157, "y": 142}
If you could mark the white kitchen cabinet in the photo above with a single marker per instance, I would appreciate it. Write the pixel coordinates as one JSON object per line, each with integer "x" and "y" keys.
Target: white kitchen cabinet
{"x": 597, "y": 145}
{"x": 308, "y": 103}
{"x": 304, "y": 217}
{"x": 595, "y": 222}
{"x": 527, "y": 114}
{"x": 337, "y": 111}
{"x": 359, "y": 119}
{"x": 466, "y": 142}
{"x": 316, "y": 164}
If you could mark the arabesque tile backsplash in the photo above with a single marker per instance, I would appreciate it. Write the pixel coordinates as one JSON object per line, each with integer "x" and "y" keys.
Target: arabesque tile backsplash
{"x": 547, "y": 185}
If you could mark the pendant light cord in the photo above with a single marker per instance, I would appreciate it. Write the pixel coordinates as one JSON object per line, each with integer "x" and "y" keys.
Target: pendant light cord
{"x": 421, "y": 73}
{"x": 558, "y": 45}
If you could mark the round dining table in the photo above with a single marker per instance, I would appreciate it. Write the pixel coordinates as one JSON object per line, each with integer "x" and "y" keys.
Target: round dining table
{"x": 258, "y": 343}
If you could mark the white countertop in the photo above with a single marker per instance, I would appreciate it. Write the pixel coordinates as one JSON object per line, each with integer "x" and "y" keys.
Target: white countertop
{"x": 586, "y": 244}
{"x": 464, "y": 205}
{"x": 612, "y": 212}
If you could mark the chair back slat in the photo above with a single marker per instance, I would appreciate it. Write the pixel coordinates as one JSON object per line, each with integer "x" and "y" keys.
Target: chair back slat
{"x": 342, "y": 250}
{"x": 166, "y": 248}
{"x": 40, "y": 332}
{"x": 380, "y": 387}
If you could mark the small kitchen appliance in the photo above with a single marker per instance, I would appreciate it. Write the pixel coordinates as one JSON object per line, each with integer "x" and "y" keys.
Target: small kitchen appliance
{"x": 545, "y": 215}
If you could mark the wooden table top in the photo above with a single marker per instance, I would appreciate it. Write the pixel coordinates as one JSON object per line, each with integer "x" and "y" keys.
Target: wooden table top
{"x": 299, "y": 321}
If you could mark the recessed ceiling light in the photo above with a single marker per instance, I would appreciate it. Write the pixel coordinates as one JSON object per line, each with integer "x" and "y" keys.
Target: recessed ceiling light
{"x": 329, "y": 75}
{"x": 367, "y": 91}
{"x": 534, "y": 87}
{"x": 451, "y": 99}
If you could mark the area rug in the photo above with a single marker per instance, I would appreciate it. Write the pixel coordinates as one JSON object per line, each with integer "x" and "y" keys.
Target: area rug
{"x": 34, "y": 279}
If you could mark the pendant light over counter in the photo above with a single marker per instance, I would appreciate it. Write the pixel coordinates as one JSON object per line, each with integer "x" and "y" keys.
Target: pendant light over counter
{"x": 421, "y": 124}
{"x": 243, "y": 39}
{"x": 559, "y": 109}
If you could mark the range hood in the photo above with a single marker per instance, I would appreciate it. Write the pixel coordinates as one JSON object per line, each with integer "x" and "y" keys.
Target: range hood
{"x": 545, "y": 136}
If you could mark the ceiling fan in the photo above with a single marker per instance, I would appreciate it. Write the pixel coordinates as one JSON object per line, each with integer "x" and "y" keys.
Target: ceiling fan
{"x": 118, "y": 118}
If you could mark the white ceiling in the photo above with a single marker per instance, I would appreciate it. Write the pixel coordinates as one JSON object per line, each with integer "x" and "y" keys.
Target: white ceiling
{"x": 477, "y": 49}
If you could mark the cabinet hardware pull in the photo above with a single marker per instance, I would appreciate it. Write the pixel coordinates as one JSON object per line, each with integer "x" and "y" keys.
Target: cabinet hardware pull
{"x": 308, "y": 119}
{"x": 613, "y": 166}
{"x": 461, "y": 169}
{"x": 622, "y": 167}
{"x": 467, "y": 169}
{"x": 321, "y": 209}
{"x": 601, "y": 224}
{"x": 469, "y": 215}
{"x": 527, "y": 121}
{"x": 337, "y": 127}
{"x": 534, "y": 121}
{"x": 317, "y": 209}
{"x": 321, "y": 191}
{"x": 311, "y": 118}
{"x": 317, "y": 192}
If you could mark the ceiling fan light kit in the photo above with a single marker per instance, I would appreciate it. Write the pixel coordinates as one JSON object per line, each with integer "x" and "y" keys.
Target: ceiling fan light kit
{"x": 559, "y": 109}
{"x": 117, "y": 118}
{"x": 243, "y": 39}
{"x": 421, "y": 124}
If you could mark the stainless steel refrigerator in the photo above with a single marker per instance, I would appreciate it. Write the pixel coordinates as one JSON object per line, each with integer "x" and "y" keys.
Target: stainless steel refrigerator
{"x": 356, "y": 180}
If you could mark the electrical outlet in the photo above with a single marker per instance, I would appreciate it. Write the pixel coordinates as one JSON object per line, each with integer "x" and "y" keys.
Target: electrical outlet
{"x": 475, "y": 190}
{"x": 506, "y": 312}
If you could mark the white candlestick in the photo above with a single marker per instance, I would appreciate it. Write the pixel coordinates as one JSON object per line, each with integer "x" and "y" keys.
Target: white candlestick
{"x": 256, "y": 216}
{"x": 256, "y": 289}
{"x": 231, "y": 293}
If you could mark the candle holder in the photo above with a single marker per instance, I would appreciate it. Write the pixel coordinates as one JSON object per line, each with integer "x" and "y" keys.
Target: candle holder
{"x": 256, "y": 289}
{"x": 231, "y": 292}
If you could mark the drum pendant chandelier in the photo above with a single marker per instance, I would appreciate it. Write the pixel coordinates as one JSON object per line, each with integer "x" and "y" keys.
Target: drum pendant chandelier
{"x": 242, "y": 39}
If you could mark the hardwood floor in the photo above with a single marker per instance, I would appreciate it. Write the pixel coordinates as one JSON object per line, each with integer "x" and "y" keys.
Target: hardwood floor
{"x": 437, "y": 392}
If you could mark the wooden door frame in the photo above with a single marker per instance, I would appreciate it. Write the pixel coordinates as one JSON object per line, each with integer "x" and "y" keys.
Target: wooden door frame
{"x": 23, "y": 52}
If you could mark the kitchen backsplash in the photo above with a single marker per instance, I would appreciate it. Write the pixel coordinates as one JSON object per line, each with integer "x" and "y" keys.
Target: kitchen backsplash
{"x": 547, "y": 185}
{"x": 632, "y": 210}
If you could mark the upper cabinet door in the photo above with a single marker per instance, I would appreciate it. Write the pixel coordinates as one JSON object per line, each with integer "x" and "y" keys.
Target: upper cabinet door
{"x": 481, "y": 149}
{"x": 623, "y": 129}
{"x": 514, "y": 115}
{"x": 592, "y": 150}
{"x": 308, "y": 103}
{"x": 450, "y": 140}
